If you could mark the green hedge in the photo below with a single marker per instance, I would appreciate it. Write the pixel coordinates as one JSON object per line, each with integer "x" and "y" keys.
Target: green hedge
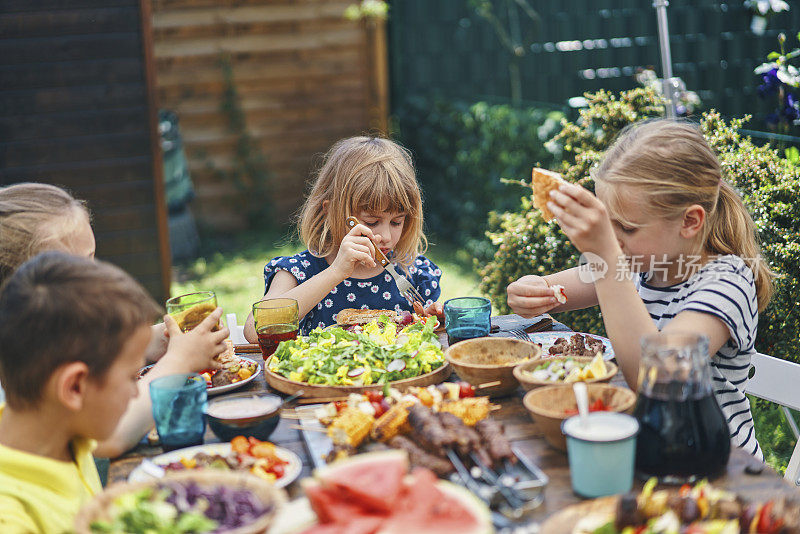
{"x": 462, "y": 150}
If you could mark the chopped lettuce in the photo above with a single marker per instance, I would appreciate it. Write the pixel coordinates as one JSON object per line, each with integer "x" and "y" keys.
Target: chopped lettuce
{"x": 339, "y": 357}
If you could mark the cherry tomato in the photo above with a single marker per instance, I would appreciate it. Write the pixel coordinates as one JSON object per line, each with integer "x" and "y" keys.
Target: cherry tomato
{"x": 598, "y": 406}
{"x": 465, "y": 389}
{"x": 374, "y": 396}
{"x": 379, "y": 411}
{"x": 766, "y": 523}
{"x": 278, "y": 470}
{"x": 340, "y": 405}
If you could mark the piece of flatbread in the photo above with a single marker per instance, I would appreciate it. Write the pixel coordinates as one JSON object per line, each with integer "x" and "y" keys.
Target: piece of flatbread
{"x": 354, "y": 316}
{"x": 227, "y": 358}
{"x": 544, "y": 181}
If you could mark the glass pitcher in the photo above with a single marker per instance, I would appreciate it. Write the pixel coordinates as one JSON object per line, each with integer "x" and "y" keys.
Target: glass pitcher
{"x": 683, "y": 434}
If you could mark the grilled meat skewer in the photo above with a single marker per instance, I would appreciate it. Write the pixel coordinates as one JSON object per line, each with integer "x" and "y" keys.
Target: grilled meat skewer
{"x": 499, "y": 447}
{"x": 420, "y": 457}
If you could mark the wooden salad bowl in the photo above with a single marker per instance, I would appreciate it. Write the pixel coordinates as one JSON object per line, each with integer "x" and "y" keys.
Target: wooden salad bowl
{"x": 290, "y": 387}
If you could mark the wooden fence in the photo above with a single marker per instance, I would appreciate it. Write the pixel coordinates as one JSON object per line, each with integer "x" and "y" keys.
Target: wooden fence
{"x": 76, "y": 110}
{"x": 304, "y": 75}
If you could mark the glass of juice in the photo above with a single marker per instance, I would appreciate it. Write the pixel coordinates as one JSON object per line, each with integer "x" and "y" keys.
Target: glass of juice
{"x": 189, "y": 310}
{"x": 179, "y": 405}
{"x": 276, "y": 320}
{"x": 467, "y": 318}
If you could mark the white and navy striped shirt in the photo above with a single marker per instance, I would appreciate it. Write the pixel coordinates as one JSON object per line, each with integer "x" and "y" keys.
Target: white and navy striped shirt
{"x": 725, "y": 289}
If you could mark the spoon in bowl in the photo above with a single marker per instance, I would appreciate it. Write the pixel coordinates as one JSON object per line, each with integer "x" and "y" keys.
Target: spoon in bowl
{"x": 582, "y": 398}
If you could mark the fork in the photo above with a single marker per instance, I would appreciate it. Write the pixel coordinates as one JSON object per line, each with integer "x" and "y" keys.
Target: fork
{"x": 519, "y": 333}
{"x": 406, "y": 289}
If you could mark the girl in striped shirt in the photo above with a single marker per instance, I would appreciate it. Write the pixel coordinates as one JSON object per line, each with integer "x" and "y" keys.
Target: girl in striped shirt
{"x": 680, "y": 251}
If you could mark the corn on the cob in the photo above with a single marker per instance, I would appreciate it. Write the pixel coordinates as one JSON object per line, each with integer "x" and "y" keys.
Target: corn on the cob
{"x": 469, "y": 409}
{"x": 350, "y": 427}
{"x": 392, "y": 423}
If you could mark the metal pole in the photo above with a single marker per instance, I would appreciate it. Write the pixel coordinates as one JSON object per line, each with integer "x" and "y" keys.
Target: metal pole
{"x": 669, "y": 84}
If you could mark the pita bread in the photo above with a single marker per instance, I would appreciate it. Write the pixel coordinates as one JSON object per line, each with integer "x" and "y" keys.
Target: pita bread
{"x": 353, "y": 316}
{"x": 544, "y": 181}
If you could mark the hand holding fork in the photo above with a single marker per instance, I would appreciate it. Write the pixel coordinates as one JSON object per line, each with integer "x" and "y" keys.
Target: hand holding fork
{"x": 405, "y": 287}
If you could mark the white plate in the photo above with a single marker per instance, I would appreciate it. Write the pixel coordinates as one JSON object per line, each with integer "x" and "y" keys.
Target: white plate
{"x": 222, "y": 389}
{"x": 291, "y": 469}
{"x": 548, "y": 339}
{"x": 217, "y": 389}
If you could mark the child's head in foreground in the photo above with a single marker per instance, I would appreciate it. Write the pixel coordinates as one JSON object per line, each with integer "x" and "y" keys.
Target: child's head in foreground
{"x": 662, "y": 170}
{"x": 73, "y": 332}
{"x": 359, "y": 176}
{"x": 37, "y": 217}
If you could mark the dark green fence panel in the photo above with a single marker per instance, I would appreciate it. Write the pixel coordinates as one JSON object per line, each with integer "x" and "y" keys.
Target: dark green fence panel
{"x": 440, "y": 47}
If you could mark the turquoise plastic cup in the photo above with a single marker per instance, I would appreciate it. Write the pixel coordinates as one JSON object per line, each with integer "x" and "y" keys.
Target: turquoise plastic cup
{"x": 467, "y": 318}
{"x": 179, "y": 405}
{"x": 601, "y": 453}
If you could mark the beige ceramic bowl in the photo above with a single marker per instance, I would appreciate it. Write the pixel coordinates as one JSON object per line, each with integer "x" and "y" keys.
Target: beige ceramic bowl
{"x": 485, "y": 360}
{"x": 522, "y": 373}
{"x": 548, "y": 407}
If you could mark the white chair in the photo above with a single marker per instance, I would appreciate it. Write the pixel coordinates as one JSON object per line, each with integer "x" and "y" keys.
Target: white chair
{"x": 778, "y": 381}
{"x": 237, "y": 331}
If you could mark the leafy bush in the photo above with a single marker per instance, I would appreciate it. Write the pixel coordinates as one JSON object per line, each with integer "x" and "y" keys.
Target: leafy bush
{"x": 462, "y": 150}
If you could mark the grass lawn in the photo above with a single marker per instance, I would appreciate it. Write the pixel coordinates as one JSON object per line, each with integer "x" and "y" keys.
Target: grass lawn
{"x": 234, "y": 270}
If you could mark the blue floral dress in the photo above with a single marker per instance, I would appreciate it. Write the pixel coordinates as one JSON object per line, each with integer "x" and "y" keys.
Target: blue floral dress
{"x": 379, "y": 292}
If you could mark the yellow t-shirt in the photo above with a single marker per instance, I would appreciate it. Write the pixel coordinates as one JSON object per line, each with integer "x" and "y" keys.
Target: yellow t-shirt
{"x": 40, "y": 494}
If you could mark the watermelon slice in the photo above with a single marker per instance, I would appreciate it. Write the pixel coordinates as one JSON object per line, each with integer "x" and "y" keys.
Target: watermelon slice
{"x": 436, "y": 507}
{"x": 329, "y": 506}
{"x": 372, "y": 481}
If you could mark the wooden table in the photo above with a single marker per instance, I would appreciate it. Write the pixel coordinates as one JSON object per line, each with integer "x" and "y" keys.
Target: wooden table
{"x": 524, "y": 433}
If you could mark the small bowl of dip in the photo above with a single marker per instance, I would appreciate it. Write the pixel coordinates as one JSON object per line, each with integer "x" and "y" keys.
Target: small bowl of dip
{"x": 244, "y": 414}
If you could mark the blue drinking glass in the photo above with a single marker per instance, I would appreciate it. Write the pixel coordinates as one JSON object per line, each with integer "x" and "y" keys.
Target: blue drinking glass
{"x": 467, "y": 318}
{"x": 179, "y": 405}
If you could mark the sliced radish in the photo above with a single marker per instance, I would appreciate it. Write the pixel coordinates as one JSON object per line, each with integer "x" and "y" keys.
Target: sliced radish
{"x": 396, "y": 365}
{"x": 358, "y": 371}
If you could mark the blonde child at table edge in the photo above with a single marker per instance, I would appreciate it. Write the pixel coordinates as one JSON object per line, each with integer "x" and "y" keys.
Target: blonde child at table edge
{"x": 73, "y": 333}
{"x": 663, "y": 209}
{"x": 38, "y": 217}
{"x": 372, "y": 179}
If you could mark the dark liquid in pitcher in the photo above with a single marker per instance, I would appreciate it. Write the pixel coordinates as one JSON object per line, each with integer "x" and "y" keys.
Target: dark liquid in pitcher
{"x": 271, "y": 335}
{"x": 455, "y": 335}
{"x": 680, "y": 440}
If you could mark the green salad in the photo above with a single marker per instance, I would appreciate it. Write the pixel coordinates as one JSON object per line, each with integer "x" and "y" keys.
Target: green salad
{"x": 377, "y": 354}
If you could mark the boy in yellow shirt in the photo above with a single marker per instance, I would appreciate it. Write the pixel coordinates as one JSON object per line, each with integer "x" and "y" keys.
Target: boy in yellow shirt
{"x": 73, "y": 334}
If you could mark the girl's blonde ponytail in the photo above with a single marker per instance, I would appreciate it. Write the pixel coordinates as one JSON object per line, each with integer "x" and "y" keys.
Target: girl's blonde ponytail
{"x": 732, "y": 231}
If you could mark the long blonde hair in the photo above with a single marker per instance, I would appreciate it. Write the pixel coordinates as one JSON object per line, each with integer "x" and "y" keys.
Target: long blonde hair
{"x": 672, "y": 167}
{"x": 34, "y": 218}
{"x": 363, "y": 174}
